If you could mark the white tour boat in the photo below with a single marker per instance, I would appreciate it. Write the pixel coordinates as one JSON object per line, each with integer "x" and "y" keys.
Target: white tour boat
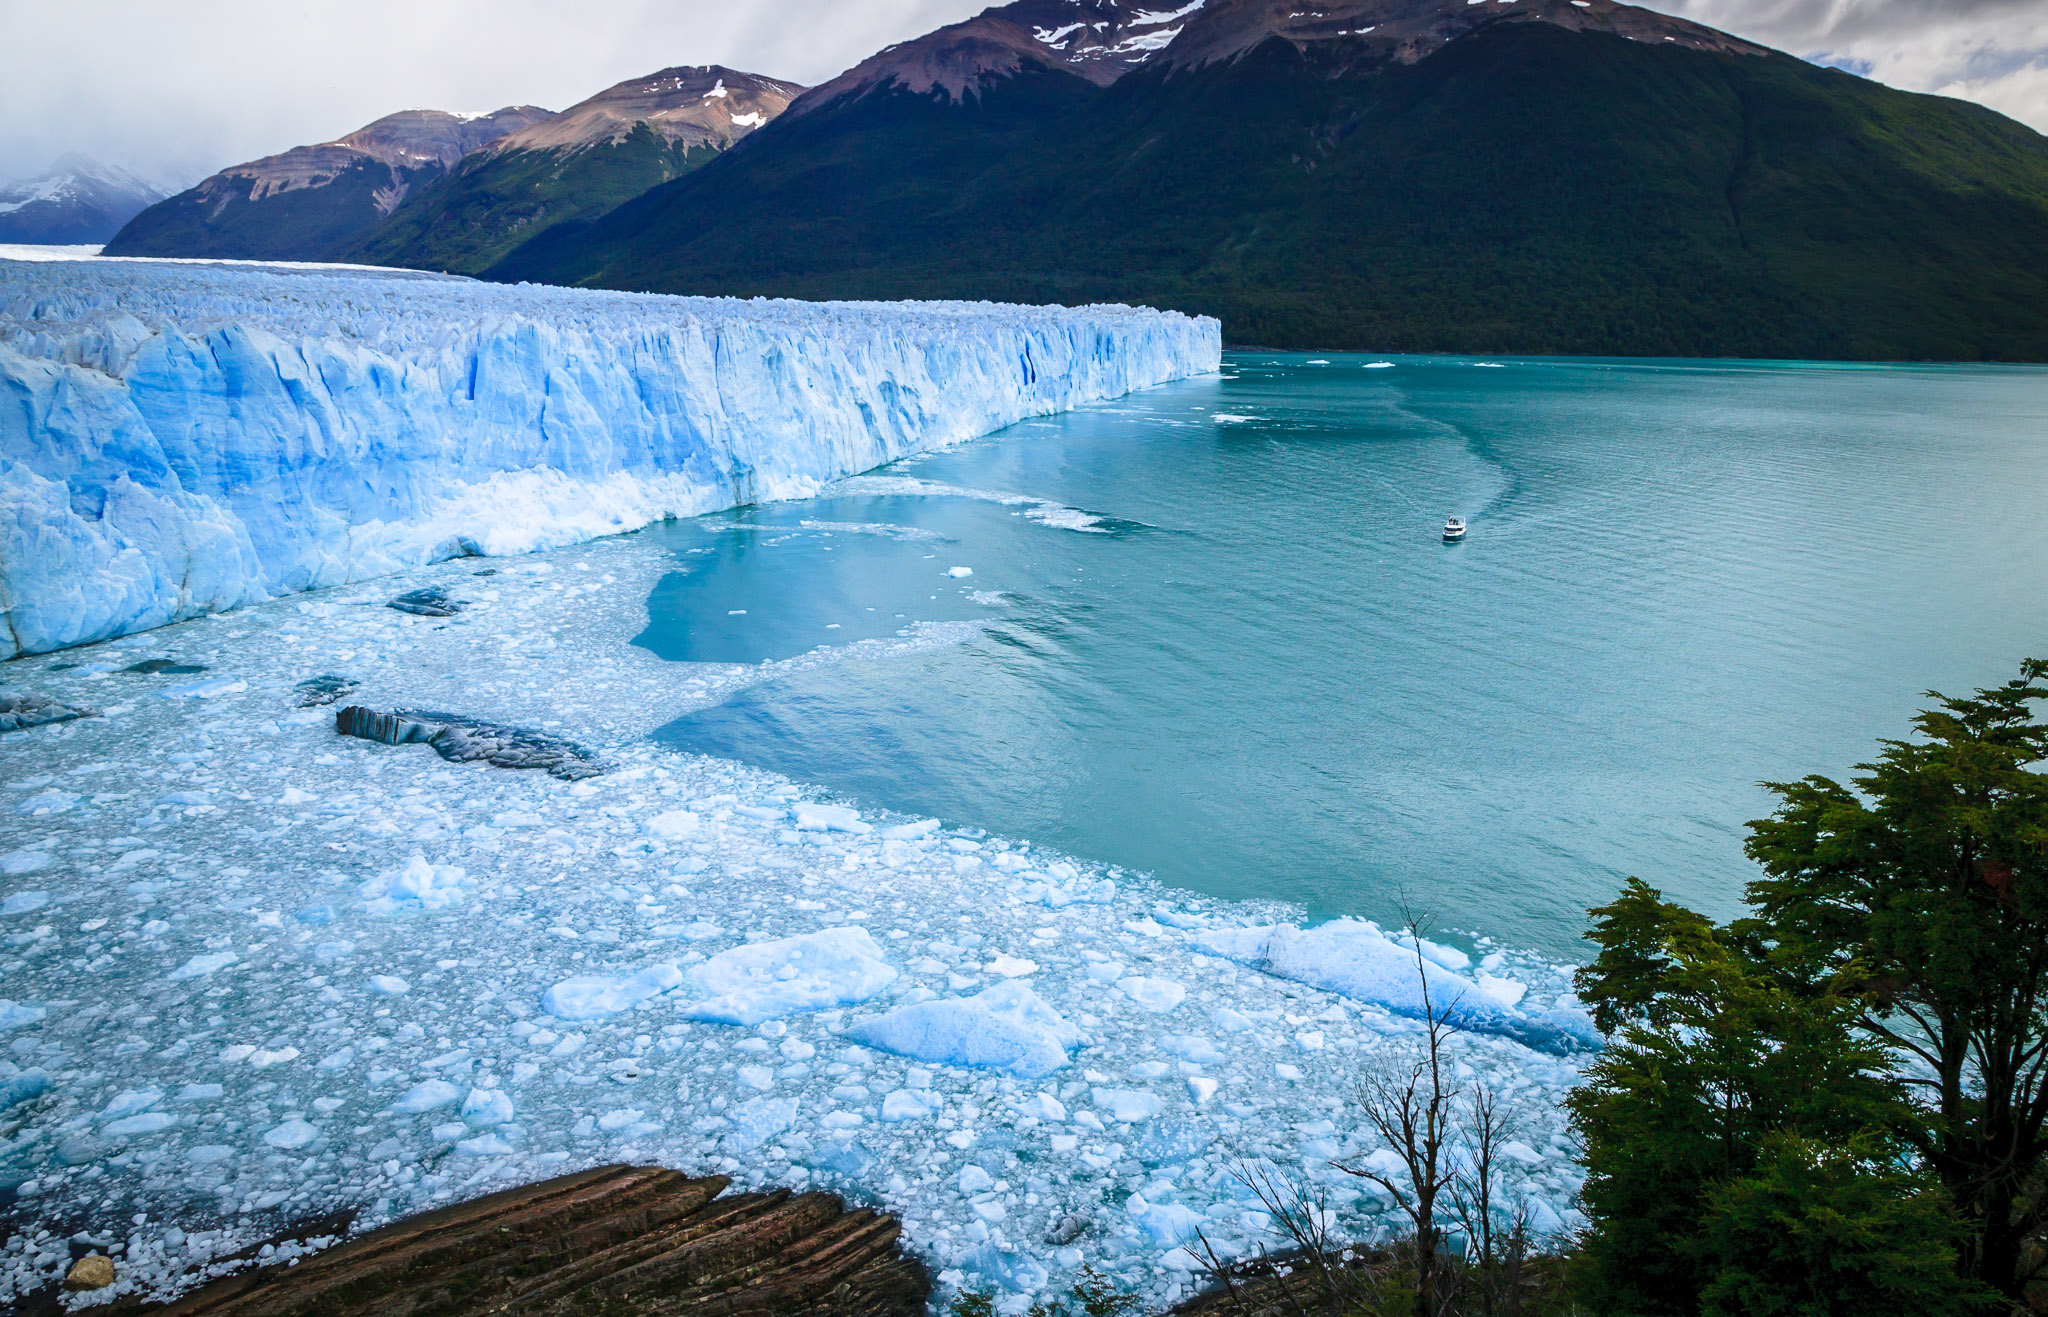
{"x": 1454, "y": 529}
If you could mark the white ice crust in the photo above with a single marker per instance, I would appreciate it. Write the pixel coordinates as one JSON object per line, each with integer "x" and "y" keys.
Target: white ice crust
{"x": 178, "y": 439}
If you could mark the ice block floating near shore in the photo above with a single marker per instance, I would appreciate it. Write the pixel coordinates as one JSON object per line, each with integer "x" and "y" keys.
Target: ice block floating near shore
{"x": 179, "y": 439}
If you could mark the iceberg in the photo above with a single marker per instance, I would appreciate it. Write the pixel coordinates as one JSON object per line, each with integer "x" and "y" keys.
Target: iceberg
{"x": 1353, "y": 958}
{"x": 178, "y": 439}
{"x": 1006, "y": 1027}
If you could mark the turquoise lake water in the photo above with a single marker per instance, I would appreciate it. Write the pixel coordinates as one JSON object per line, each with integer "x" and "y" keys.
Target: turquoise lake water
{"x": 1228, "y": 647}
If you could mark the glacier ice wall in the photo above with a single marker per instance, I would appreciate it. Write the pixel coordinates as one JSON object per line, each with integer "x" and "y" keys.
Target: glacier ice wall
{"x": 178, "y": 439}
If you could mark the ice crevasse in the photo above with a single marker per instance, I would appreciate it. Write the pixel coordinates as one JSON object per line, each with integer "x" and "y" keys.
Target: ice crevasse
{"x": 177, "y": 439}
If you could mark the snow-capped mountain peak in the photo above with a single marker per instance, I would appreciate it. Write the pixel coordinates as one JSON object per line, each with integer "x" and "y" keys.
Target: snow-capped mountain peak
{"x": 77, "y": 200}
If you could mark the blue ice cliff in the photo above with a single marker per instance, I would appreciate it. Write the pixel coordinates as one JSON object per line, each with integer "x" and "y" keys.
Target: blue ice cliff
{"x": 177, "y": 439}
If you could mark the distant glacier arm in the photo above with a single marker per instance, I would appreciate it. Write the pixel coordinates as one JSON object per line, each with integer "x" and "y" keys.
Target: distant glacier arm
{"x": 183, "y": 439}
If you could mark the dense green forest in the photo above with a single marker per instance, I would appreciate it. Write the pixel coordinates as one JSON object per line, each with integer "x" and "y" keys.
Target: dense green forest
{"x": 1525, "y": 189}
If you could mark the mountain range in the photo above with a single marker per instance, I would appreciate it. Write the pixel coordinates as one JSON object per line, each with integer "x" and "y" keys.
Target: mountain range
{"x": 78, "y": 200}
{"x": 1568, "y": 176}
{"x": 309, "y": 202}
{"x": 573, "y": 166}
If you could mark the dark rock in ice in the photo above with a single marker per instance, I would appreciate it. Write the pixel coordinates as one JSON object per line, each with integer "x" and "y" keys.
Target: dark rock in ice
{"x": 460, "y": 740}
{"x": 21, "y": 711}
{"x": 432, "y": 601}
{"x": 324, "y": 689}
{"x": 1067, "y": 1229}
{"x": 167, "y": 667}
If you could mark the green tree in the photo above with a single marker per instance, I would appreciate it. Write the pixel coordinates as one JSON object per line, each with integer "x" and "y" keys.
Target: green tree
{"x": 1920, "y": 892}
{"x": 1721, "y": 1074}
{"x": 1816, "y": 1229}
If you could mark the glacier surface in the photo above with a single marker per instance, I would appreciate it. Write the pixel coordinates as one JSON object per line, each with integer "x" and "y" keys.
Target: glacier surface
{"x": 179, "y": 439}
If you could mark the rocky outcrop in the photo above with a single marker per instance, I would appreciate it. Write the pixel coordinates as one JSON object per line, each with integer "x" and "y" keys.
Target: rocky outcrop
{"x": 636, "y": 1240}
{"x": 461, "y": 740}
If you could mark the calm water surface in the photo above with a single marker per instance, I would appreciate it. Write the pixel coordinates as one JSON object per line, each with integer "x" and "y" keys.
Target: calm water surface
{"x": 1254, "y": 669}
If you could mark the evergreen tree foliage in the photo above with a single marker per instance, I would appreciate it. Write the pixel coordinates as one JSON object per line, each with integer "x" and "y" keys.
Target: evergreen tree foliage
{"x": 1921, "y": 891}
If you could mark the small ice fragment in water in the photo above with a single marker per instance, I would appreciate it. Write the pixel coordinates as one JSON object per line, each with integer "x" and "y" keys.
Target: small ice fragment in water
{"x": 294, "y": 1133}
{"x": 1158, "y": 995}
{"x": 201, "y": 966}
{"x": 429, "y": 1096}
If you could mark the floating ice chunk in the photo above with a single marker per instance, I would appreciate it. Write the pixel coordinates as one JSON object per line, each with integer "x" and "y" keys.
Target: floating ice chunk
{"x": 1504, "y": 992}
{"x": 1354, "y": 958}
{"x": 207, "y": 1154}
{"x": 487, "y": 1106}
{"x": 1010, "y": 967}
{"x": 1158, "y": 995}
{"x": 417, "y": 886}
{"x": 19, "y": 862}
{"x": 199, "y": 1092}
{"x": 206, "y": 690}
{"x": 388, "y": 984}
{"x": 1189, "y": 1047}
{"x": 674, "y": 823}
{"x": 1164, "y": 1224}
{"x": 903, "y": 1104}
{"x": 129, "y": 1102}
{"x": 1201, "y": 1089}
{"x": 589, "y": 996}
{"x": 14, "y": 1014}
{"x": 263, "y": 1059}
{"x": 22, "y": 902}
{"x": 1128, "y": 1105}
{"x": 957, "y": 573}
{"x": 808, "y": 972}
{"x": 974, "y": 1179}
{"x": 1384, "y": 1161}
{"x": 294, "y": 796}
{"x": 429, "y": 1096}
{"x": 1521, "y": 1152}
{"x": 1309, "y": 1040}
{"x": 811, "y": 817}
{"x": 294, "y": 1133}
{"x": 148, "y": 1122}
{"x": 200, "y": 966}
{"x": 757, "y": 1077}
{"x": 760, "y": 1119}
{"x": 1386, "y": 365}
{"x": 1449, "y": 957}
{"x": 484, "y": 1145}
{"x": 1042, "y": 1106}
{"x": 17, "y": 1089}
{"x": 1005, "y": 1027}
{"x": 909, "y": 831}
{"x": 697, "y": 930}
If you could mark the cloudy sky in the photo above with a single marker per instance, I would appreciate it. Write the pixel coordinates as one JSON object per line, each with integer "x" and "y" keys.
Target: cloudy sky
{"x": 180, "y": 89}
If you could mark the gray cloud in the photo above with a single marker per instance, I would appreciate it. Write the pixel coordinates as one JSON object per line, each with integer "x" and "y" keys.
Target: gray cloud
{"x": 181, "y": 89}
{"x": 1991, "y": 51}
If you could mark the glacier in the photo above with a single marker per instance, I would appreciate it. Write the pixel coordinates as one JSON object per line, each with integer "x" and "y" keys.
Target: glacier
{"x": 179, "y": 439}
